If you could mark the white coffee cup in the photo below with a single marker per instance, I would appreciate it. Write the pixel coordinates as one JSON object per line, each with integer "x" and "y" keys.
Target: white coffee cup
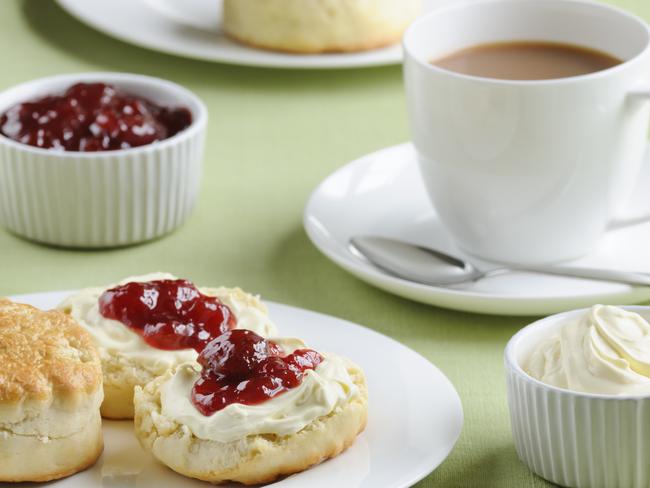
{"x": 528, "y": 171}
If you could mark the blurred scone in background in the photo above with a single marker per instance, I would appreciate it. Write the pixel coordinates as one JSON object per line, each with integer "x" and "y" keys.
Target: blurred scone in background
{"x": 318, "y": 26}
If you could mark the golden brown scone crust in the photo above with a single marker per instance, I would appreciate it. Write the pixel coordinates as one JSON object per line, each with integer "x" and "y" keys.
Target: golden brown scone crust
{"x": 50, "y": 392}
{"x": 43, "y": 353}
{"x": 255, "y": 459}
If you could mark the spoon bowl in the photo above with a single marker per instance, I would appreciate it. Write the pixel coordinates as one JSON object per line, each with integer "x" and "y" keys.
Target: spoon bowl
{"x": 413, "y": 262}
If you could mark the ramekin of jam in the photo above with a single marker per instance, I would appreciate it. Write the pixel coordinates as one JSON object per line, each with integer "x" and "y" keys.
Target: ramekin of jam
{"x": 97, "y": 160}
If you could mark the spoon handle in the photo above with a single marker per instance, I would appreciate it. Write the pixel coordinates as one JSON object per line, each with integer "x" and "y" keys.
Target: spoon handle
{"x": 629, "y": 277}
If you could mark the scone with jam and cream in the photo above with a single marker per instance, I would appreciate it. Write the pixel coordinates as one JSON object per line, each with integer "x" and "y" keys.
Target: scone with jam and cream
{"x": 258, "y": 409}
{"x": 317, "y": 26}
{"x": 145, "y": 325}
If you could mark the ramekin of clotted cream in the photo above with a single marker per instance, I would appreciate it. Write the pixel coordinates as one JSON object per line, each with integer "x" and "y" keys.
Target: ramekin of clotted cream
{"x": 579, "y": 396}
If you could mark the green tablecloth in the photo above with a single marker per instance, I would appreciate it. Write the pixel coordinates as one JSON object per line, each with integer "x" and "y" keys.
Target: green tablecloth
{"x": 273, "y": 136}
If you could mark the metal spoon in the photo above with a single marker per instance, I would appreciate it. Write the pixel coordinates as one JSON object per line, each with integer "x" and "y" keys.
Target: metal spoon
{"x": 432, "y": 267}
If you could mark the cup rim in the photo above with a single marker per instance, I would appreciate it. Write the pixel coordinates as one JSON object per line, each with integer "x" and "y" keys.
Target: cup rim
{"x": 198, "y": 109}
{"x": 409, "y": 51}
{"x": 513, "y": 365}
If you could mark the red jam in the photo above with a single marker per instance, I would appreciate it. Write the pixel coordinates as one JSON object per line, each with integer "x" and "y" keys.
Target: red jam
{"x": 168, "y": 314}
{"x": 242, "y": 367}
{"x": 92, "y": 117}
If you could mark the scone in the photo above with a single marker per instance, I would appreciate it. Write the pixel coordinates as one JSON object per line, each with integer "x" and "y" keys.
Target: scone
{"x": 50, "y": 392}
{"x": 258, "y": 410}
{"x": 133, "y": 355}
{"x": 318, "y": 26}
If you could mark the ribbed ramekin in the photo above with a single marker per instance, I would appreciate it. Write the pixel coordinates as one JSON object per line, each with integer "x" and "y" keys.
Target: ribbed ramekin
{"x": 570, "y": 438}
{"x": 106, "y": 198}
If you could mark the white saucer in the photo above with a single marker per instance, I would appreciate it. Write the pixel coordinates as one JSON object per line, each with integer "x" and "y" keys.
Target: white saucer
{"x": 382, "y": 194}
{"x": 192, "y": 28}
{"x": 415, "y": 415}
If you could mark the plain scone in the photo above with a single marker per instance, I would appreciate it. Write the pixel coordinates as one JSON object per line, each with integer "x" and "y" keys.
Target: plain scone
{"x": 123, "y": 373}
{"x": 254, "y": 459}
{"x": 50, "y": 392}
{"x": 318, "y": 26}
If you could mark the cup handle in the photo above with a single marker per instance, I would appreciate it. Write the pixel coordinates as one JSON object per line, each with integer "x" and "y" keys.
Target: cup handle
{"x": 639, "y": 95}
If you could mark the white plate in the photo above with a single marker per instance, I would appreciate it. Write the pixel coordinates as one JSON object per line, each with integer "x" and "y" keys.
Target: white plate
{"x": 192, "y": 28}
{"x": 382, "y": 194}
{"x": 415, "y": 415}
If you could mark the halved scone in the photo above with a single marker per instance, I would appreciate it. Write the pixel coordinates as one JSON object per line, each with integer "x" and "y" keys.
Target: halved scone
{"x": 252, "y": 443}
{"x": 128, "y": 360}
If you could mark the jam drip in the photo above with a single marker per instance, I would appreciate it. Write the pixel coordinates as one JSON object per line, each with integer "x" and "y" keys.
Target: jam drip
{"x": 168, "y": 314}
{"x": 92, "y": 117}
{"x": 242, "y": 367}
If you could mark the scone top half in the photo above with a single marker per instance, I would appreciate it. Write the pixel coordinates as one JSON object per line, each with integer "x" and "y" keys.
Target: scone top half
{"x": 50, "y": 373}
{"x": 297, "y": 426}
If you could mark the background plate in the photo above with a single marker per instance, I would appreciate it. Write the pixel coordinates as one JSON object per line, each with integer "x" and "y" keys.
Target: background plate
{"x": 192, "y": 28}
{"x": 415, "y": 415}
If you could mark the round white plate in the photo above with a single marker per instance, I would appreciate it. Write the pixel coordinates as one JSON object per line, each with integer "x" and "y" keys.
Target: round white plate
{"x": 382, "y": 194}
{"x": 192, "y": 28}
{"x": 415, "y": 415}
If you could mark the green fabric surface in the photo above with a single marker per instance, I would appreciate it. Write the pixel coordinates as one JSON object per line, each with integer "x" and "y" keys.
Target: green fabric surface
{"x": 273, "y": 136}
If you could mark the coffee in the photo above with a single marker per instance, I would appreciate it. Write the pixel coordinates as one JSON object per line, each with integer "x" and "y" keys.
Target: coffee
{"x": 526, "y": 60}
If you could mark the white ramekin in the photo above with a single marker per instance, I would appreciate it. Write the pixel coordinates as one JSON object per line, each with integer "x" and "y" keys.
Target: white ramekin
{"x": 571, "y": 438}
{"x": 107, "y": 198}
